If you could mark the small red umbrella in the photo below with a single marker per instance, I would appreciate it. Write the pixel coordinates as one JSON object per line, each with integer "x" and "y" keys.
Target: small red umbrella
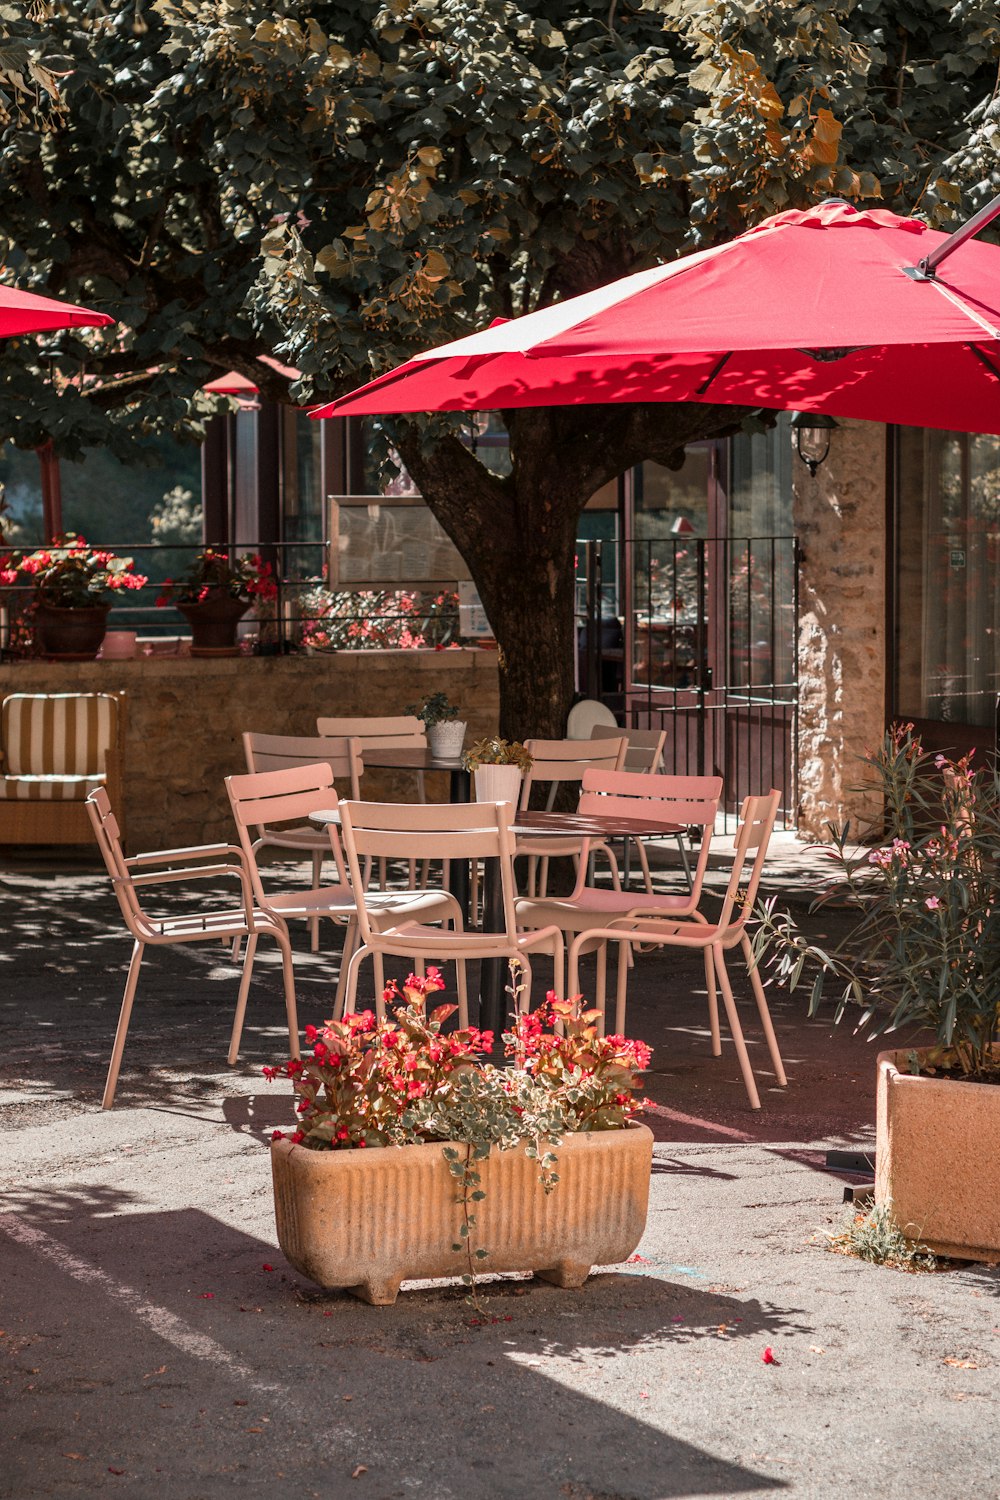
{"x": 24, "y": 312}
{"x": 824, "y": 309}
{"x": 231, "y": 384}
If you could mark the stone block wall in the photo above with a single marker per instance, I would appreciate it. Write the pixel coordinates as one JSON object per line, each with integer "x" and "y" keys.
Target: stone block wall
{"x": 840, "y": 519}
{"x": 185, "y": 719}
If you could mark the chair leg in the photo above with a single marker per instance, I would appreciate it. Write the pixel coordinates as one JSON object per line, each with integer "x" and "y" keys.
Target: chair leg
{"x": 644, "y": 864}
{"x": 288, "y": 979}
{"x": 241, "y": 999}
{"x": 685, "y": 861}
{"x": 713, "y": 1002}
{"x": 317, "y": 872}
{"x": 523, "y": 1003}
{"x": 123, "y": 1020}
{"x": 420, "y": 967}
{"x": 736, "y": 1029}
{"x": 601, "y": 985}
{"x": 351, "y": 988}
{"x": 543, "y": 876}
{"x": 573, "y": 968}
{"x": 237, "y": 944}
{"x": 623, "y": 953}
{"x": 765, "y": 1014}
{"x": 350, "y": 942}
{"x": 379, "y": 964}
{"x": 463, "y": 993}
{"x": 558, "y": 967}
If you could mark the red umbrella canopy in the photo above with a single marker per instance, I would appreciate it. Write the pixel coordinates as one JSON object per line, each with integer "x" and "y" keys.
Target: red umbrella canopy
{"x": 231, "y": 384}
{"x": 24, "y": 312}
{"x": 815, "y": 310}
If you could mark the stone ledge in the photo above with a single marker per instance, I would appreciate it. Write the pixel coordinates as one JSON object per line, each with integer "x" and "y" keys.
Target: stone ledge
{"x": 186, "y": 716}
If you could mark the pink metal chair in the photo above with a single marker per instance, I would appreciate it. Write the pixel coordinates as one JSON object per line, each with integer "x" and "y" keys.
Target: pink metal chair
{"x": 552, "y": 763}
{"x": 691, "y": 801}
{"x": 279, "y": 752}
{"x": 469, "y": 831}
{"x": 392, "y": 732}
{"x": 202, "y": 925}
{"x": 757, "y": 817}
{"x": 279, "y": 797}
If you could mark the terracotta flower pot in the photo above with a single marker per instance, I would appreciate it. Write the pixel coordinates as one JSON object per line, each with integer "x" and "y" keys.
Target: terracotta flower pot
{"x": 71, "y": 634}
{"x": 936, "y": 1160}
{"x": 498, "y": 783}
{"x": 213, "y": 624}
{"x": 367, "y": 1220}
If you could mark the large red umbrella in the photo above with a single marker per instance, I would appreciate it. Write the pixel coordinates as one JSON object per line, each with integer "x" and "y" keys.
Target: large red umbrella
{"x": 24, "y": 312}
{"x": 824, "y": 309}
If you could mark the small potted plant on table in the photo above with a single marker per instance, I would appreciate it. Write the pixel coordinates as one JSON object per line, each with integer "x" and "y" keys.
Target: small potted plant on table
{"x": 924, "y": 954}
{"x": 74, "y": 585}
{"x": 414, "y": 1157}
{"x": 216, "y": 594}
{"x": 498, "y": 767}
{"x": 445, "y": 730}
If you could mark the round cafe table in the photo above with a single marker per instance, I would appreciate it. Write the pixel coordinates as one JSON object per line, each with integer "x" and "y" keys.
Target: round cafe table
{"x": 575, "y": 827}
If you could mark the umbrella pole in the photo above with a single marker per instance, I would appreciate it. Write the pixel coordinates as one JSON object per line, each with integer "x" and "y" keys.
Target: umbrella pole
{"x": 927, "y": 267}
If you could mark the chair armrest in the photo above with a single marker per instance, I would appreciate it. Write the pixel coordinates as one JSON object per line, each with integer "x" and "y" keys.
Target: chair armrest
{"x": 194, "y": 851}
{"x": 194, "y": 872}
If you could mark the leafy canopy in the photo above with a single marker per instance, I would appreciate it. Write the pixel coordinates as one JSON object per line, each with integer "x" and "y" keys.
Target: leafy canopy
{"x": 346, "y": 183}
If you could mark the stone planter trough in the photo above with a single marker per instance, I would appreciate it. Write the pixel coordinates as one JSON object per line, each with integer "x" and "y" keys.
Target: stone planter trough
{"x": 368, "y": 1220}
{"x": 936, "y": 1159}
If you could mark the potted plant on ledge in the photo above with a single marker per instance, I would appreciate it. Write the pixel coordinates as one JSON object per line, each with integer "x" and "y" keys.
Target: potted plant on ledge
{"x": 498, "y": 767}
{"x": 445, "y": 730}
{"x": 924, "y": 954}
{"x": 414, "y": 1157}
{"x": 73, "y": 585}
{"x": 216, "y": 594}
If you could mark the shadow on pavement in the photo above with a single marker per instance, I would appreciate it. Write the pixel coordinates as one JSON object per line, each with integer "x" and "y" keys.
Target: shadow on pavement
{"x": 167, "y": 1343}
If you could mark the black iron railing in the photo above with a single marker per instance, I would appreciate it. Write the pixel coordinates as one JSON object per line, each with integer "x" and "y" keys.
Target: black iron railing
{"x": 304, "y": 613}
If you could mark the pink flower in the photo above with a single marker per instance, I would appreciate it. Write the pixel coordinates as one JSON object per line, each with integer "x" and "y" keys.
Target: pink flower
{"x": 932, "y": 903}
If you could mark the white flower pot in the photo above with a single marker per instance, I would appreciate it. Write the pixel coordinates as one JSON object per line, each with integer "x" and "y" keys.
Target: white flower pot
{"x": 447, "y": 738}
{"x": 498, "y": 783}
{"x": 368, "y": 1220}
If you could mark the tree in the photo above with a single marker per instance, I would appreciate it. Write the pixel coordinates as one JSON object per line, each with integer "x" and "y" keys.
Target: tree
{"x": 347, "y": 183}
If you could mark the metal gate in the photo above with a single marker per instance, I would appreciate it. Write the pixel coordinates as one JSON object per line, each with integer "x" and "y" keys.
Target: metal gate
{"x": 697, "y": 636}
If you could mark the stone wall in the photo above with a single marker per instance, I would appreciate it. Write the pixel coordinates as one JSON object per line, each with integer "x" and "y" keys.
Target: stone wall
{"x": 185, "y": 719}
{"x": 841, "y": 525}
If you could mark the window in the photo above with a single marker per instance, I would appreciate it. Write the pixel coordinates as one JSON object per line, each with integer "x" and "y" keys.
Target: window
{"x": 947, "y": 556}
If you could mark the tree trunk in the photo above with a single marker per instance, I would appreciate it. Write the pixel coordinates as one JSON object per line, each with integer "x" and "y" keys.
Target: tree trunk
{"x": 517, "y": 533}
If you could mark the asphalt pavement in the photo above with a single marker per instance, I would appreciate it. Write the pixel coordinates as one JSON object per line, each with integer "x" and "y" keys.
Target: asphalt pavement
{"x": 155, "y": 1343}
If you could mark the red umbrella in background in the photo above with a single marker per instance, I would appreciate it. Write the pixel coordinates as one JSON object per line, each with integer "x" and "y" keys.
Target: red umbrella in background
{"x": 232, "y": 384}
{"x": 24, "y": 312}
{"x": 858, "y": 313}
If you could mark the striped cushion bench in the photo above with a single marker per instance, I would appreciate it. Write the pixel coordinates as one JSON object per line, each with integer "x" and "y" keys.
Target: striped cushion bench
{"x": 57, "y": 735}
{"x": 48, "y": 788}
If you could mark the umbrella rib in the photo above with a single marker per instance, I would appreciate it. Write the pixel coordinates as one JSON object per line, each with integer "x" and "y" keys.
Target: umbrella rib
{"x": 956, "y": 301}
{"x": 717, "y": 367}
{"x": 984, "y": 359}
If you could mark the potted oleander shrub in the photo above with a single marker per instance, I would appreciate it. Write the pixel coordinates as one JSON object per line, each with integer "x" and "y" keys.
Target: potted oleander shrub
{"x": 215, "y": 594}
{"x": 73, "y": 585}
{"x": 498, "y": 767}
{"x": 923, "y": 957}
{"x": 445, "y": 730}
{"x": 414, "y": 1156}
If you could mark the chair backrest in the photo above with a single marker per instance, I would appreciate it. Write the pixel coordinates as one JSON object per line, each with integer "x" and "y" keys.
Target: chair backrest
{"x": 288, "y": 796}
{"x": 279, "y": 752}
{"x": 555, "y": 761}
{"x": 756, "y": 823}
{"x": 674, "y": 801}
{"x": 429, "y": 830}
{"x": 108, "y": 835}
{"x": 645, "y": 746}
{"x": 399, "y": 731}
{"x": 58, "y": 734}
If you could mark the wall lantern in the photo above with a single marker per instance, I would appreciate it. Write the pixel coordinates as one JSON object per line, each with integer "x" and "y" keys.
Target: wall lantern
{"x": 812, "y": 437}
